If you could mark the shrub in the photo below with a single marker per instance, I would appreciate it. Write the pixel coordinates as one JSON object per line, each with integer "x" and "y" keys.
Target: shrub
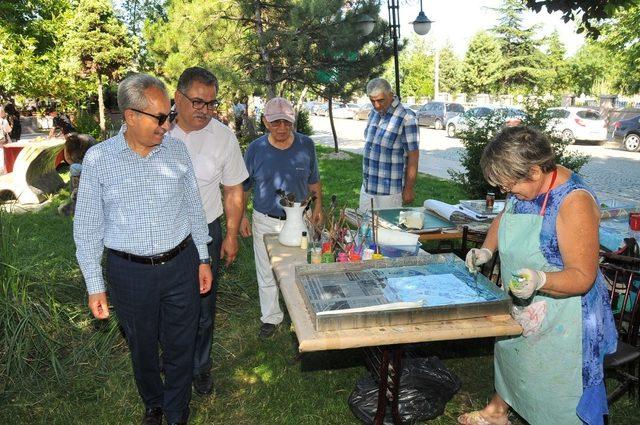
{"x": 482, "y": 130}
{"x": 88, "y": 124}
{"x": 303, "y": 123}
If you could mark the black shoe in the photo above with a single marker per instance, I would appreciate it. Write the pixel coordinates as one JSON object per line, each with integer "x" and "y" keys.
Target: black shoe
{"x": 177, "y": 423}
{"x": 203, "y": 383}
{"x": 267, "y": 330}
{"x": 152, "y": 416}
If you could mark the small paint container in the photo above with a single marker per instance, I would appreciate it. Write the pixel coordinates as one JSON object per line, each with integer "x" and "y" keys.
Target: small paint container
{"x": 634, "y": 221}
{"x": 367, "y": 254}
{"x": 328, "y": 257}
{"x": 316, "y": 256}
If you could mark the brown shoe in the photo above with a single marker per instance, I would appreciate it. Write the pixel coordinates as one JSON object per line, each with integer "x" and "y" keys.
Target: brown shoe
{"x": 152, "y": 416}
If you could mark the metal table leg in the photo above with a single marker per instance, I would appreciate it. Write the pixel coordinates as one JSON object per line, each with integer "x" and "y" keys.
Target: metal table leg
{"x": 385, "y": 364}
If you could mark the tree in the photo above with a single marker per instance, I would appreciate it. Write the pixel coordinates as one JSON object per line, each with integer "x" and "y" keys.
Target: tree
{"x": 556, "y": 77}
{"x": 450, "y": 70}
{"x": 588, "y": 67}
{"x": 313, "y": 44}
{"x": 522, "y": 61}
{"x": 416, "y": 69}
{"x": 98, "y": 46}
{"x": 136, "y": 14}
{"x": 481, "y": 65}
{"x": 590, "y": 12}
{"x": 29, "y": 33}
{"x": 211, "y": 42}
{"x": 620, "y": 37}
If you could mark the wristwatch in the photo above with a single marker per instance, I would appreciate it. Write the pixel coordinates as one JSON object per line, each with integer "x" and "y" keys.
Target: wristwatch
{"x": 205, "y": 260}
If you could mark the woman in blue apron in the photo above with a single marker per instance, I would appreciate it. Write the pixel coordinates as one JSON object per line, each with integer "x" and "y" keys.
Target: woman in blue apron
{"x": 547, "y": 237}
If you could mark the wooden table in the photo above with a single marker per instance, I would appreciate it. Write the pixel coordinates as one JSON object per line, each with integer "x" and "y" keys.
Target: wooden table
{"x": 284, "y": 259}
{"x": 387, "y": 340}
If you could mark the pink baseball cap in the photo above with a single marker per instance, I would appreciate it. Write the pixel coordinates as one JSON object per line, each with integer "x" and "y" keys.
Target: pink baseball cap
{"x": 279, "y": 108}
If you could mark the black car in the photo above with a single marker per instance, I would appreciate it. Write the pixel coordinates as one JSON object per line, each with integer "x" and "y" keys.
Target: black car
{"x": 436, "y": 114}
{"x": 627, "y": 132}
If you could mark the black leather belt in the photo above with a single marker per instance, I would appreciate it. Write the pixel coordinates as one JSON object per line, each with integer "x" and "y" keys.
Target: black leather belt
{"x": 157, "y": 259}
{"x": 277, "y": 217}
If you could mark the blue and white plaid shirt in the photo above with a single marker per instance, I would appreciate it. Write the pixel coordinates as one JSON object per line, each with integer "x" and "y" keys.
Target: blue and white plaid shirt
{"x": 388, "y": 138}
{"x": 143, "y": 206}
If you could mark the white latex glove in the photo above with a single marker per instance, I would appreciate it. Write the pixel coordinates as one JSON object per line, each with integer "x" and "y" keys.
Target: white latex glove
{"x": 477, "y": 257}
{"x": 525, "y": 282}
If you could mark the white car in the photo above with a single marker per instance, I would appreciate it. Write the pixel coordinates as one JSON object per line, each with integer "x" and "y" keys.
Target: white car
{"x": 480, "y": 115}
{"x": 573, "y": 123}
{"x": 345, "y": 110}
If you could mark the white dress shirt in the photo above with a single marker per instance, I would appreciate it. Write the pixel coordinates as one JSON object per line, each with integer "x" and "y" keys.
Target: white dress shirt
{"x": 216, "y": 157}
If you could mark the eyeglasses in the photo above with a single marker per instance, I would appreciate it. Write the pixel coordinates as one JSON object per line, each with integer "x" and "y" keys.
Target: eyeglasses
{"x": 278, "y": 123}
{"x": 199, "y": 103}
{"x": 506, "y": 189}
{"x": 162, "y": 118}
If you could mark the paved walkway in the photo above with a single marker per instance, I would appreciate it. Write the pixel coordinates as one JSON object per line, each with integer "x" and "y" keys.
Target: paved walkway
{"x": 612, "y": 172}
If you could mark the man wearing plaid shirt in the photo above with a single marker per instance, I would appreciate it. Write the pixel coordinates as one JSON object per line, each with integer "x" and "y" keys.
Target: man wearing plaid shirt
{"x": 390, "y": 161}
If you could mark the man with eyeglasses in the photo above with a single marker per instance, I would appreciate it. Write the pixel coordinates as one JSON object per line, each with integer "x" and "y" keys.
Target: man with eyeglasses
{"x": 217, "y": 161}
{"x": 280, "y": 160}
{"x": 138, "y": 198}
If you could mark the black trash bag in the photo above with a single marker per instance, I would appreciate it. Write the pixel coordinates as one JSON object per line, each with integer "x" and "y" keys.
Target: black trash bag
{"x": 425, "y": 388}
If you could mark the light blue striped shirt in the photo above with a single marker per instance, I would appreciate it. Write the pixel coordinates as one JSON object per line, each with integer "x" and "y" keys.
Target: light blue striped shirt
{"x": 143, "y": 206}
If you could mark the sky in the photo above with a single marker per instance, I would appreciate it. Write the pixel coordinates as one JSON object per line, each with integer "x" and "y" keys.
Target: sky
{"x": 459, "y": 20}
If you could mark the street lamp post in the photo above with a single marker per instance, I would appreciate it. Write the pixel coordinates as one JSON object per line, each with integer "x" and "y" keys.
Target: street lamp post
{"x": 421, "y": 26}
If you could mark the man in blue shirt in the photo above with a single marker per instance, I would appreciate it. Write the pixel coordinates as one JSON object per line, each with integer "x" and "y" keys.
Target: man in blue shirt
{"x": 282, "y": 159}
{"x": 390, "y": 159}
{"x": 138, "y": 198}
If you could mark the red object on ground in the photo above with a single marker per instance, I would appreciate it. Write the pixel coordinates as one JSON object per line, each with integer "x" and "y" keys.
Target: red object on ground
{"x": 11, "y": 154}
{"x": 634, "y": 221}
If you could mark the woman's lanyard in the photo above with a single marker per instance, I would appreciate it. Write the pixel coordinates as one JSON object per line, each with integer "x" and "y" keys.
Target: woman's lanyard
{"x": 546, "y": 197}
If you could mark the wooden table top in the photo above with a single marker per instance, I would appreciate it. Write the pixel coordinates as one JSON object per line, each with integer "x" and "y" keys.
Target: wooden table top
{"x": 284, "y": 259}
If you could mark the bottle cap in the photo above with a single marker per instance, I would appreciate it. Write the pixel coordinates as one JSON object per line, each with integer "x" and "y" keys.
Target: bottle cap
{"x": 304, "y": 233}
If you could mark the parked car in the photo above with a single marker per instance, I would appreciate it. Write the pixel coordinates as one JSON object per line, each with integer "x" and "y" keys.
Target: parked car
{"x": 575, "y": 123}
{"x": 345, "y": 110}
{"x": 627, "y": 132}
{"x": 436, "y": 114}
{"x": 512, "y": 116}
{"x": 309, "y": 106}
{"x": 319, "y": 109}
{"x": 412, "y": 108}
{"x": 363, "y": 112}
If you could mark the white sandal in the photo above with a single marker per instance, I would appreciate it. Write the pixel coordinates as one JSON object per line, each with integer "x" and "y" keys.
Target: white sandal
{"x": 476, "y": 418}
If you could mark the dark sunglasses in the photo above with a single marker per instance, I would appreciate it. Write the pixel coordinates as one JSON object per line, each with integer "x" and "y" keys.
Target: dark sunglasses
{"x": 162, "y": 118}
{"x": 199, "y": 103}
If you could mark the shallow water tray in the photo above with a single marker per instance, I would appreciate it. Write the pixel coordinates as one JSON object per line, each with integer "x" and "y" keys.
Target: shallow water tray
{"x": 396, "y": 291}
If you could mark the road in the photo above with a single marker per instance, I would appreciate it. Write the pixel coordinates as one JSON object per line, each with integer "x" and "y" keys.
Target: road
{"x": 612, "y": 172}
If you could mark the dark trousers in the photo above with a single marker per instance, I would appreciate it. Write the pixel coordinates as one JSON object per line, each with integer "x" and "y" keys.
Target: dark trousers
{"x": 159, "y": 303}
{"x": 204, "y": 338}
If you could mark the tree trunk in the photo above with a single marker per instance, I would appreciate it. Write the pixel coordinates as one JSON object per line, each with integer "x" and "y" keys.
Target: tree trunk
{"x": 264, "y": 53}
{"x": 103, "y": 124}
{"x": 333, "y": 127}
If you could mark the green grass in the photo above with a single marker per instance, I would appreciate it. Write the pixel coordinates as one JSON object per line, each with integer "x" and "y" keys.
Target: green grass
{"x": 59, "y": 366}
